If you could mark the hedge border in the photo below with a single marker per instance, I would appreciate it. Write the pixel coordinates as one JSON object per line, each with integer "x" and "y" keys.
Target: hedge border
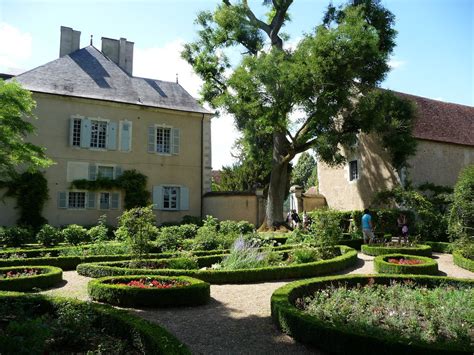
{"x": 462, "y": 261}
{"x": 347, "y": 259}
{"x": 154, "y": 338}
{"x": 440, "y": 247}
{"x": 318, "y": 333}
{"x": 49, "y": 277}
{"x": 196, "y": 293}
{"x": 382, "y": 266}
{"x": 375, "y": 250}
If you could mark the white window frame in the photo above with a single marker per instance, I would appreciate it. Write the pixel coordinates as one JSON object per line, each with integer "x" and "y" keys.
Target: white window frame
{"x": 76, "y": 208}
{"x": 113, "y": 166}
{"x": 130, "y": 125}
{"x": 178, "y": 197}
{"x": 107, "y": 121}
{"x": 170, "y": 128}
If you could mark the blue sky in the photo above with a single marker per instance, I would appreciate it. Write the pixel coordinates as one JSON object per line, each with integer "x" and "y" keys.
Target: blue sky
{"x": 433, "y": 58}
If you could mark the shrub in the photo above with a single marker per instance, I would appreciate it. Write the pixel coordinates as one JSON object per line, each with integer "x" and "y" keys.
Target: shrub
{"x": 461, "y": 215}
{"x": 244, "y": 255}
{"x": 192, "y": 220}
{"x": 15, "y": 236}
{"x": 303, "y": 255}
{"x": 99, "y": 233}
{"x": 49, "y": 236}
{"x": 326, "y": 232}
{"x": 137, "y": 227}
{"x": 232, "y": 227}
{"x": 171, "y": 238}
{"x": 75, "y": 234}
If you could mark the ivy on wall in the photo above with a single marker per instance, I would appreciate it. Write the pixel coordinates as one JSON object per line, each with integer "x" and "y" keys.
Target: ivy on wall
{"x": 131, "y": 181}
{"x": 30, "y": 189}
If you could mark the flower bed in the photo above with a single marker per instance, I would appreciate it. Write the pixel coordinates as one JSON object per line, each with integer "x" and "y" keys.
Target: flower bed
{"x": 462, "y": 261}
{"x": 405, "y": 264}
{"x": 380, "y": 249}
{"x": 340, "y": 331}
{"x": 44, "y": 325}
{"x": 149, "y": 291}
{"x": 347, "y": 258}
{"x": 27, "y": 278}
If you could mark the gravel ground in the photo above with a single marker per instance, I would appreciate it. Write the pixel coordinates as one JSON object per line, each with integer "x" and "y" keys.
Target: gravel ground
{"x": 237, "y": 320}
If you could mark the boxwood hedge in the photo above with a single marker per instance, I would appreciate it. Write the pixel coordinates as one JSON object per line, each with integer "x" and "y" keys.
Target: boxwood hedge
{"x": 318, "y": 333}
{"x": 106, "y": 290}
{"x": 382, "y": 266}
{"x": 462, "y": 261}
{"x": 50, "y": 276}
{"x": 380, "y": 249}
{"x": 152, "y": 338}
{"x": 440, "y": 247}
{"x": 347, "y": 258}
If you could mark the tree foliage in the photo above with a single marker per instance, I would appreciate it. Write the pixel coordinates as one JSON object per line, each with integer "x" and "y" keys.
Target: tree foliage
{"x": 16, "y": 104}
{"x": 461, "y": 216}
{"x": 304, "y": 173}
{"x": 331, "y": 78}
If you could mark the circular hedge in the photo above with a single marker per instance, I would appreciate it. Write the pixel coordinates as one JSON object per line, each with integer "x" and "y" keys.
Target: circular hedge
{"x": 375, "y": 249}
{"x": 319, "y": 333}
{"x": 195, "y": 293}
{"x": 383, "y": 266}
{"x": 462, "y": 261}
{"x": 347, "y": 258}
{"x": 49, "y": 276}
{"x": 146, "y": 337}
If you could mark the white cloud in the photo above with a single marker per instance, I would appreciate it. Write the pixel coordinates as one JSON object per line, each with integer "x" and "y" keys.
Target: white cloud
{"x": 15, "y": 48}
{"x": 395, "y": 64}
{"x": 163, "y": 63}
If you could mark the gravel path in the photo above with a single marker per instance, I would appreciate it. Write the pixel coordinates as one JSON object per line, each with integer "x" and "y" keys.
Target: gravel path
{"x": 237, "y": 320}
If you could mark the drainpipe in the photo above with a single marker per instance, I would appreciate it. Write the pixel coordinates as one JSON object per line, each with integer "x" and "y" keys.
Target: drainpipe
{"x": 202, "y": 164}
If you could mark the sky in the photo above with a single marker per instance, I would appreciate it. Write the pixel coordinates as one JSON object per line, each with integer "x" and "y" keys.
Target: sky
{"x": 433, "y": 58}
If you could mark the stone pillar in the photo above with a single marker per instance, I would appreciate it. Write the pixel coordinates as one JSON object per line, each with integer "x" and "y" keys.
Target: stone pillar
{"x": 296, "y": 198}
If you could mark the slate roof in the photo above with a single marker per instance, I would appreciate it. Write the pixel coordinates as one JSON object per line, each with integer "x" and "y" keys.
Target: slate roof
{"x": 88, "y": 73}
{"x": 442, "y": 121}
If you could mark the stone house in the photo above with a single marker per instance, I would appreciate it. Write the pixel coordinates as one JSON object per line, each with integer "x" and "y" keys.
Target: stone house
{"x": 97, "y": 119}
{"x": 445, "y": 135}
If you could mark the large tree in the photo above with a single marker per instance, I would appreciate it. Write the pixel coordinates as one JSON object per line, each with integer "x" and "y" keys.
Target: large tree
{"x": 330, "y": 78}
{"x": 304, "y": 173}
{"x": 16, "y": 108}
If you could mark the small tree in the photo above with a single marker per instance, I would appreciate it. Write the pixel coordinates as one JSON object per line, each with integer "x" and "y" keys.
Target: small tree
{"x": 137, "y": 227}
{"x": 461, "y": 216}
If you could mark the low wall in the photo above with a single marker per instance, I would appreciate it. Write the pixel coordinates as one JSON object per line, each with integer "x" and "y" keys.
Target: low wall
{"x": 237, "y": 206}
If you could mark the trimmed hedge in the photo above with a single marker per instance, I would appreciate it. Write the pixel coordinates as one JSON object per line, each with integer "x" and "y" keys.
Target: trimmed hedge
{"x": 376, "y": 249}
{"x": 104, "y": 290}
{"x": 440, "y": 247}
{"x": 152, "y": 338}
{"x": 382, "y": 266}
{"x": 353, "y": 243}
{"x": 462, "y": 261}
{"x": 50, "y": 276}
{"x": 318, "y": 333}
{"x": 347, "y": 259}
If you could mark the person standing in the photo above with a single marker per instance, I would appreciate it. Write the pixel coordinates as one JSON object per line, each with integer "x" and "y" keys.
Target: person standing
{"x": 402, "y": 224}
{"x": 367, "y": 227}
{"x": 296, "y": 219}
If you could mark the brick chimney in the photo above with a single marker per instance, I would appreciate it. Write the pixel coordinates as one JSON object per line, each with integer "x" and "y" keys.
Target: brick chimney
{"x": 70, "y": 41}
{"x": 120, "y": 52}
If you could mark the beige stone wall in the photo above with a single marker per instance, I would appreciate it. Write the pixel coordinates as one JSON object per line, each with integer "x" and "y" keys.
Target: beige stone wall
{"x": 313, "y": 202}
{"x": 235, "y": 207}
{"x": 375, "y": 174}
{"x": 54, "y": 114}
{"x": 439, "y": 163}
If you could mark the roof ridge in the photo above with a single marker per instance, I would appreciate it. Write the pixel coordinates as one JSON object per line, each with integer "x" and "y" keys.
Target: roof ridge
{"x": 431, "y": 99}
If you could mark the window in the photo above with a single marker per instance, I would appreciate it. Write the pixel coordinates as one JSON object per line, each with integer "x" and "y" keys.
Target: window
{"x": 93, "y": 133}
{"x": 104, "y": 201}
{"x": 98, "y": 134}
{"x": 171, "y": 198}
{"x": 76, "y": 132}
{"x": 125, "y": 136}
{"x": 77, "y": 200}
{"x": 105, "y": 171}
{"x": 163, "y": 140}
{"x": 353, "y": 170}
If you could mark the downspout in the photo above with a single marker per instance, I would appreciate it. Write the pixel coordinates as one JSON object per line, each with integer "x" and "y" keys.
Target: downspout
{"x": 202, "y": 164}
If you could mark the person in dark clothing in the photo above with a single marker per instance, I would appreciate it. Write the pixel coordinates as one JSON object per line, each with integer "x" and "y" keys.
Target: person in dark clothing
{"x": 296, "y": 219}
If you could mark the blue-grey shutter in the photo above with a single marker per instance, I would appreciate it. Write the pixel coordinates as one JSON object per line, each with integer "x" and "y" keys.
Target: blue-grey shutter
{"x": 175, "y": 147}
{"x": 62, "y": 199}
{"x": 118, "y": 171}
{"x": 151, "y": 139}
{"x": 71, "y": 130}
{"x": 115, "y": 200}
{"x": 183, "y": 198}
{"x": 92, "y": 171}
{"x": 112, "y": 135}
{"x": 91, "y": 198}
{"x": 85, "y": 133}
{"x": 158, "y": 197}
{"x": 125, "y": 141}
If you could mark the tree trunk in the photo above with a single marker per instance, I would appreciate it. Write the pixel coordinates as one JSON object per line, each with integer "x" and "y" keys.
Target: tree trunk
{"x": 278, "y": 181}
